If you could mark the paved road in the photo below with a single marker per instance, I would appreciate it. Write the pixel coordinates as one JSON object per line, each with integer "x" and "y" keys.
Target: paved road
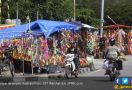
{"x": 83, "y": 83}
{"x": 126, "y": 72}
{"x": 87, "y": 81}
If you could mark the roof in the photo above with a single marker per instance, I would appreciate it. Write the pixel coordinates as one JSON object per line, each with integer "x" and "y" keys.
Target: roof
{"x": 117, "y": 26}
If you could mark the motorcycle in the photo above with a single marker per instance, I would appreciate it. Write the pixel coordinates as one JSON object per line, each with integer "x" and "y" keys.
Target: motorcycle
{"x": 111, "y": 69}
{"x": 70, "y": 68}
{"x": 6, "y": 64}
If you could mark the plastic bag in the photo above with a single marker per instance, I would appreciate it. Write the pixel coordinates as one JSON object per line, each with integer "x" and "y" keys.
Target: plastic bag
{"x": 90, "y": 59}
{"x": 105, "y": 65}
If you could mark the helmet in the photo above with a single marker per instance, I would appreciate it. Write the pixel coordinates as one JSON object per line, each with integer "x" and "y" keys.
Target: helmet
{"x": 112, "y": 41}
{"x": 73, "y": 44}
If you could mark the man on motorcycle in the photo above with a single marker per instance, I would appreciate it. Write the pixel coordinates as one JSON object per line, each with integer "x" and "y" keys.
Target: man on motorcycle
{"x": 111, "y": 53}
{"x": 73, "y": 50}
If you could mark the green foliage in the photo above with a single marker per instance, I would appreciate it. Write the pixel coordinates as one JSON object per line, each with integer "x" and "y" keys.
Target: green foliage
{"x": 84, "y": 15}
{"x": 48, "y": 9}
{"x": 87, "y": 11}
{"x": 87, "y": 16}
{"x": 57, "y": 9}
{"x": 120, "y": 13}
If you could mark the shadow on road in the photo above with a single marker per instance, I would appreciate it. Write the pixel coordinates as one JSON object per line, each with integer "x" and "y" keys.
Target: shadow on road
{"x": 107, "y": 80}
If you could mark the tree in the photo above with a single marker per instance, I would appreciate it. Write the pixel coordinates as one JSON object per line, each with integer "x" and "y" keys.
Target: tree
{"x": 87, "y": 16}
{"x": 57, "y": 9}
{"x": 87, "y": 11}
{"x": 120, "y": 12}
{"x": 48, "y": 9}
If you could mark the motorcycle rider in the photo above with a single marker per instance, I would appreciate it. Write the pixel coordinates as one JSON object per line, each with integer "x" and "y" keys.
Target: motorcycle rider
{"x": 73, "y": 50}
{"x": 111, "y": 53}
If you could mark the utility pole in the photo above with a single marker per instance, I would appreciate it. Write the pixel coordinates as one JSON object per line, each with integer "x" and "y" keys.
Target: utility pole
{"x": 74, "y": 10}
{"x": 37, "y": 15}
{"x": 38, "y": 12}
{"x": 8, "y": 9}
{"x": 17, "y": 14}
{"x": 102, "y": 18}
{"x": 0, "y": 10}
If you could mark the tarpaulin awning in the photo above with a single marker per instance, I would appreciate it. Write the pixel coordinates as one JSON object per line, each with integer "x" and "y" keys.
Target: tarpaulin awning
{"x": 82, "y": 25}
{"x": 88, "y": 26}
{"x": 47, "y": 27}
{"x": 117, "y": 26}
{"x": 6, "y": 26}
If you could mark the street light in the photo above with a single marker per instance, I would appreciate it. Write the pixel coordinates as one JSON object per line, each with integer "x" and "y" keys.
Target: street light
{"x": 102, "y": 18}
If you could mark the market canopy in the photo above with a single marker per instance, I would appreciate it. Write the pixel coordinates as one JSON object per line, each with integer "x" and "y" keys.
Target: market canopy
{"x": 88, "y": 26}
{"x": 6, "y": 26}
{"x": 46, "y": 27}
{"x": 116, "y": 26}
{"x": 82, "y": 25}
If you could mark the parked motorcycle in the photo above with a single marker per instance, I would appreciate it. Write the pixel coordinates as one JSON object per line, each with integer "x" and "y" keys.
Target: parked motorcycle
{"x": 6, "y": 64}
{"x": 70, "y": 68}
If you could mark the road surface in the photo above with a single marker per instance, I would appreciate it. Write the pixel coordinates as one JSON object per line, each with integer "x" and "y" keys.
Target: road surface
{"x": 86, "y": 81}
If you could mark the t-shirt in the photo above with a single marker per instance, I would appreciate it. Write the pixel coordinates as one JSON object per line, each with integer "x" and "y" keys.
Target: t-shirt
{"x": 112, "y": 52}
{"x": 73, "y": 51}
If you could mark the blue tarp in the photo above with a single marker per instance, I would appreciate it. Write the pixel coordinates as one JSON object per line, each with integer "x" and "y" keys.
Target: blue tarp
{"x": 46, "y": 27}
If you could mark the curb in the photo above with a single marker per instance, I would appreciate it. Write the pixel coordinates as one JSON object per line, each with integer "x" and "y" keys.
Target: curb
{"x": 37, "y": 77}
{"x": 31, "y": 78}
{"x": 22, "y": 79}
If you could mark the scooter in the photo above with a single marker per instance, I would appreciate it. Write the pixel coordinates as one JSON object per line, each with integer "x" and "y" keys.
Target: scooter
{"x": 70, "y": 68}
{"x": 112, "y": 69}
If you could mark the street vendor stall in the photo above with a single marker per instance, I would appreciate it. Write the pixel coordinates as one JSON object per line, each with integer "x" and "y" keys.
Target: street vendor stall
{"x": 87, "y": 39}
{"x": 31, "y": 47}
{"x": 6, "y": 26}
{"x": 122, "y": 33}
{"x": 42, "y": 44}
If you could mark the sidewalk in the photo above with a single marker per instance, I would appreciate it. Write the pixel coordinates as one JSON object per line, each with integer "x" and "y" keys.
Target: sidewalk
{"x": 128, "y": 57}
{"x": 98, "y": 63}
